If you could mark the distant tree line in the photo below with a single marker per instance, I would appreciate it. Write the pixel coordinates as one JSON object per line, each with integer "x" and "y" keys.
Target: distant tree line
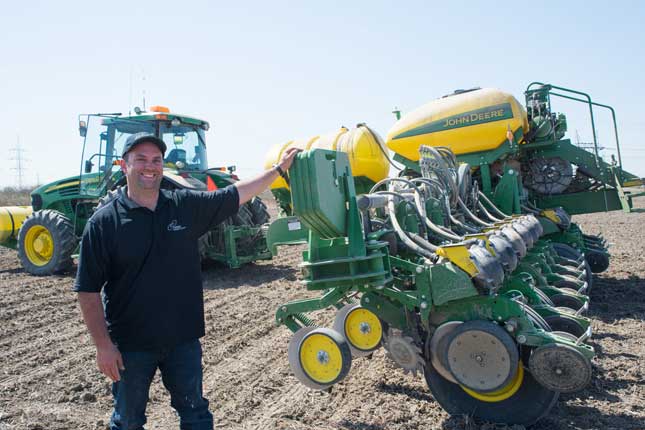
{"x": 14, "y": 196}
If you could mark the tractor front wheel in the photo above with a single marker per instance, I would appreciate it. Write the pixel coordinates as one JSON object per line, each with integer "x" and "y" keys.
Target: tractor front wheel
{"x": 46, "y": 242}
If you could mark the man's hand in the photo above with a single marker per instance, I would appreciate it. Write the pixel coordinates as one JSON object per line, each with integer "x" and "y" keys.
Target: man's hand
{"x": 247, "y": 189}
{"x": 287, "y": 158}
{"x": 109, "y": 361}
{"x": 108, "y": 357}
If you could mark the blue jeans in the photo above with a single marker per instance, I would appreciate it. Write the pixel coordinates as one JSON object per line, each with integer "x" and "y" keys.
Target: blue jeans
{"x": 181, "y": 373}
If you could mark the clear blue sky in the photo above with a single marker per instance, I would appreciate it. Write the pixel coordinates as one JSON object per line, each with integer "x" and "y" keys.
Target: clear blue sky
{"x": 268, "y": 72}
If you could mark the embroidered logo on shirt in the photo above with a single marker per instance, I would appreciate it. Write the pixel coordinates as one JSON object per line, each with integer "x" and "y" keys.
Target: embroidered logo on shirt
{"x": 173, "y": 226}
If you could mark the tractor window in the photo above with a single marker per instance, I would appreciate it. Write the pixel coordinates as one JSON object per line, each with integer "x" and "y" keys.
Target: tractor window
{"x": 125, "y": 129}
{"x": 185, "y": 148}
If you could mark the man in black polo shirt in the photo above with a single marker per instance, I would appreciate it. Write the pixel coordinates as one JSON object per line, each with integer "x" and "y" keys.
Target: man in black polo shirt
{"x": 140, "y": 250}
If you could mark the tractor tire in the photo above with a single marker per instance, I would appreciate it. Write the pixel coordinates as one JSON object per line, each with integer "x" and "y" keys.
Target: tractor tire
{"x": 243, "y": 218}
{"x": 204, "y": 243}
{"x": 258, "y": 211}
{"x": 46, "y": 242}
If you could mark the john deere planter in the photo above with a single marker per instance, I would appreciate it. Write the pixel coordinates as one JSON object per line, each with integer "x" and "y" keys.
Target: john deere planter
{"x": 454, "y": 288}
{"x": 47, "y": 233}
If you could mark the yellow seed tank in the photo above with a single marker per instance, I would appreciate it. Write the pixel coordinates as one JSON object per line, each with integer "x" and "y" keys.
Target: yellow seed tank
{"x": 471, "y": 121}
{"x": 361, "y": 145}
{"x": 11, "y": 219}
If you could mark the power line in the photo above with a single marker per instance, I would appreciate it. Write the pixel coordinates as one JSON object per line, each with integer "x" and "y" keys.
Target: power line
{"x": 20, "y": 161}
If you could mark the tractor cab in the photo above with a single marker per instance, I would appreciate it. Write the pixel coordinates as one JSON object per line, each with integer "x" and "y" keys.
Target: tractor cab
{"x": 105, "y": 135}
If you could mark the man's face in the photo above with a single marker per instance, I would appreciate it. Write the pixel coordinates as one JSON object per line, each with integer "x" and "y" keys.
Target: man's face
{"x": 143, "y": 167}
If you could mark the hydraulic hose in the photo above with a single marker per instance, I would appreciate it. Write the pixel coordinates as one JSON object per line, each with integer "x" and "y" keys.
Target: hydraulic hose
{"x": 421, "y": 209}
{"x": 530, "y": 210}
{"x": 471, "y": 215}
{"x": 440, "y": 169}
{"x": 488, "y": 214}
{"x": 417, "y": 196}
{"x": 458, "y": 223}
{"x": 400, "y": 196}
{"x": 422, "y": 242}
{"x": 492, "y": 205}
{"x": 431, "y": 183}
{"x": 403, "y": 235}
{"x": 445, "y": 233}
{"x": 448, "y": 211}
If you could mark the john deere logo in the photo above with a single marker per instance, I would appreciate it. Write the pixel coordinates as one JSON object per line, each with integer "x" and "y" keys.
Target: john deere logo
{"x": 475, "y": 117}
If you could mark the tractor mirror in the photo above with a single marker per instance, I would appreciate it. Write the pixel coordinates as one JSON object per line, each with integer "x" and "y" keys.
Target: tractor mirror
{"x": 82, "y": 128}
{"x": 88, "y": 166}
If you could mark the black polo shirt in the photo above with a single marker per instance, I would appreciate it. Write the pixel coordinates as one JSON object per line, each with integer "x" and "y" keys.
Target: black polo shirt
{"x": 147, "y": 265}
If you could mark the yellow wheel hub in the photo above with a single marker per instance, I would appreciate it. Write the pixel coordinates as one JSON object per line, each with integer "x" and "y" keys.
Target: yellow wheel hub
{"x": 363, "y": 329}
{"x": 321, "y": 358}
{"x": 39, "y": 245}
{"x": 503, "y": 393}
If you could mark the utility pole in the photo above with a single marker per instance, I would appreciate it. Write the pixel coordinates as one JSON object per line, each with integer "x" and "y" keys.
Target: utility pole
{"x": 20, "y": 162}
{"x": 586, "y": 145}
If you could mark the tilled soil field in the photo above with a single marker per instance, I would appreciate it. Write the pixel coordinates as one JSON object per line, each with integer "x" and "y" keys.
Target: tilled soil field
{"x": 48, "y": 377}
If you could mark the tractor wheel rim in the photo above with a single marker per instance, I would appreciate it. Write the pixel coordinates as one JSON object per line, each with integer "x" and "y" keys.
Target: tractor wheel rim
{"x": 321, "y": 358}
{"x": 363, "y": 329}
{"x": 39, "y": 245}
{"x": 503, "y": 393}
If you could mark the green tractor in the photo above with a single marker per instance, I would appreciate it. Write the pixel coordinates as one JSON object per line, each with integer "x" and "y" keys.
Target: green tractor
{"x": 47, "y": 234}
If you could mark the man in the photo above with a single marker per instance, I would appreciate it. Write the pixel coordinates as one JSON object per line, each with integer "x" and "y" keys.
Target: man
{"x": 140, "y": 250}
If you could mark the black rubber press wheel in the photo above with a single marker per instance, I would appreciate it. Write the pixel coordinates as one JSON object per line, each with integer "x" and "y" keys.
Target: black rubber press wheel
{"x": 598, "y": 261}
{"x": 525, "y": 406}
{"x": 521, "y": 400}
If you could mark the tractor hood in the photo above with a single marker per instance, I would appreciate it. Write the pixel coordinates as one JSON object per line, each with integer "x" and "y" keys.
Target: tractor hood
{"x": 68, "y": 185}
